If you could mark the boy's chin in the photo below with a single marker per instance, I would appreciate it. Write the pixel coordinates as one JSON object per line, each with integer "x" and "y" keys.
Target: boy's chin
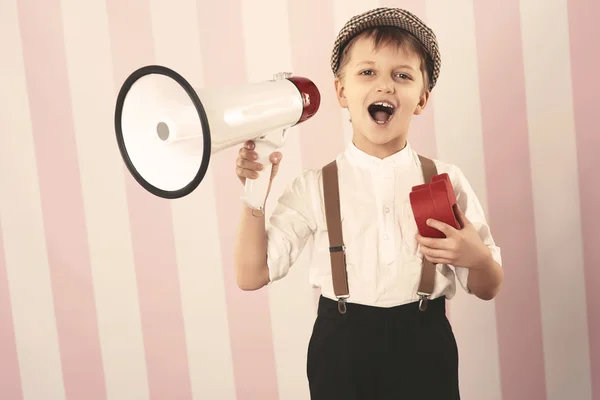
{"x": 381, "y": 132}
{"x": 380, "y": 138}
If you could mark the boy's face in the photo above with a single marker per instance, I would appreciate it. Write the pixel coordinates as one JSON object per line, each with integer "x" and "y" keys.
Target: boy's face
{"x": 387, "y": 75}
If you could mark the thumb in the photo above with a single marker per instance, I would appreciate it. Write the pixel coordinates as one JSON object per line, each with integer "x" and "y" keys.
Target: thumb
{"x": 460, "y": 216}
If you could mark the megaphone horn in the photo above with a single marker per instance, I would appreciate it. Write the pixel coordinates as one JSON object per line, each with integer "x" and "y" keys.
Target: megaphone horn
{"x": 167, "y": 130}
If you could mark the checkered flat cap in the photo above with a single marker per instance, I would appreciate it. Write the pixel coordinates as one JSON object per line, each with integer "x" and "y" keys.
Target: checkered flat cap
{"x": 397, "y": 17}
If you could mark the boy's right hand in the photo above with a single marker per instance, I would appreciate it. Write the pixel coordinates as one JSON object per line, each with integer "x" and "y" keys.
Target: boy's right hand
{"x": 247, "y": 166}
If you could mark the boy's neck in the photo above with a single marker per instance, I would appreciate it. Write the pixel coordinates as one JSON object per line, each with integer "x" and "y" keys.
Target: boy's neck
{"x": 380, "y": 151}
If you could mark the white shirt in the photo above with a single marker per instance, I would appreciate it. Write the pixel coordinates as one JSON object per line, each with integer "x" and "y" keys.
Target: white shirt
{"x": 383, "y": 261}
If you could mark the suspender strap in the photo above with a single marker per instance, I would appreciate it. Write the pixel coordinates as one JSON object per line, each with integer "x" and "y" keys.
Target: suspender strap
{"x": 337, "y": 250}
{"x": 428, "y": 268}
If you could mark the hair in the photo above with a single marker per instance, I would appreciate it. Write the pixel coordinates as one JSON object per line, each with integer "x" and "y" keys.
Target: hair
{"x": 383, "y": 35}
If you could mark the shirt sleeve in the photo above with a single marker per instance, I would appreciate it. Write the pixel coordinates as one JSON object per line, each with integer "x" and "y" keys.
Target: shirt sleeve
{"x": 469, "y": 202}
{"x": 291, "y": 224}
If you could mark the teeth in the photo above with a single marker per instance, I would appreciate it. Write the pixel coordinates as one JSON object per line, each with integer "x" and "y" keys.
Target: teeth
{"x": 383, "y": 103}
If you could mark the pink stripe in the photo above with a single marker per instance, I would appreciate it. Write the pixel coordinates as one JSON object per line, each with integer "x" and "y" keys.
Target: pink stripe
{"x": 151, "y": 227}
{"x": 322, "y": 137}
{"x": 584, "y": 31}
{"x": 249, "y": 319}
{"x": 422, "y": 129}
{"x": 507, "y": 163}
{"x": 10, "y": 384}
{"x": 61, "y": 198}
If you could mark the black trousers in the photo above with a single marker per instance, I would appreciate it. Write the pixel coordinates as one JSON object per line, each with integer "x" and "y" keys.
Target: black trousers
{"x": 374, "y": 353}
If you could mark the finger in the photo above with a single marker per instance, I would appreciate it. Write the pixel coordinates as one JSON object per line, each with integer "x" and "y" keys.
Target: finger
{"x": 436, "y": 256}
{"x": 441, "y": 226}
{"x": 247, "y": 164}
{"x": 248, "y": 154}
{"x": 435, "y": 253}
{"x": 249, "y": 145}
{"x": 434, "y": 243}
{"x": 438, "y": 260}
{"x": 246, "y": 173}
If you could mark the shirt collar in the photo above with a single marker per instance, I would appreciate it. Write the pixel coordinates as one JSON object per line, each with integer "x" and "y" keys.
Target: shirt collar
{"x": 362, "y": 159}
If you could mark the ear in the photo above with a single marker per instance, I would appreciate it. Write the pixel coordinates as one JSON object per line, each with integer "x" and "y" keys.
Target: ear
{"x": 422, "y": 103}
{"x": 339, "y": 91}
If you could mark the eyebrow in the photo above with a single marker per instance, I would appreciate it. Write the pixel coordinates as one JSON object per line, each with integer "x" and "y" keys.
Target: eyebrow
{"x": 398, "y": 66}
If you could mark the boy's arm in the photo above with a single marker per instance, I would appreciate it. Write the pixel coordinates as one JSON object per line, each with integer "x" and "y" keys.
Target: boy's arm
{"x": 465, "y": 250}
{"x": 472, "y": 251}
{"x": 485, "y": 282}
{"x": 264, "y": 255}
{"x": 485, "y": 278}
{"x": 250, "y": 253}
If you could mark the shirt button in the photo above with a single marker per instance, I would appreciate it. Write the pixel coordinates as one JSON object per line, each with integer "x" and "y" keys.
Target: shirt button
{"x": 386, "y": 210}
{"x": 386, "y": 236}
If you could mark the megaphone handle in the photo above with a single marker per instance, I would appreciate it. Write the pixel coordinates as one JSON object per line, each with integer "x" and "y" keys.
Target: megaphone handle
{"x": 255, "y": 190}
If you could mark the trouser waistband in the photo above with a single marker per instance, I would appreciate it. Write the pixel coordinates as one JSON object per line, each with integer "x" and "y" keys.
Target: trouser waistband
{"x": 329, "y": 308}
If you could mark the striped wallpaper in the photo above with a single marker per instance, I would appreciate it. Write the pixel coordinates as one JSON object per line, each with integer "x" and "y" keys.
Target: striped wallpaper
{"x": 107, "y": 292}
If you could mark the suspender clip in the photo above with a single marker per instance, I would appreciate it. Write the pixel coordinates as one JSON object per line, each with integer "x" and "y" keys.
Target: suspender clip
{"x": 342, "y": 304}
{"x": 423, "y": 299}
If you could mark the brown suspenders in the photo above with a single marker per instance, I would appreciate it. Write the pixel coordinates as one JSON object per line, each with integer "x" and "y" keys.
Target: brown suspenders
{"x": 337, "y": 250}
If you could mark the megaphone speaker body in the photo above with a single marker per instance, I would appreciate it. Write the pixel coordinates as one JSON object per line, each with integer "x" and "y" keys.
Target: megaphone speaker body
{"x": 167, "y": 130}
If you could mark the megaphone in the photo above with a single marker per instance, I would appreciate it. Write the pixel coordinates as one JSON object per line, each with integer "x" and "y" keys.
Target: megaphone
{"x": 167, "y": 130}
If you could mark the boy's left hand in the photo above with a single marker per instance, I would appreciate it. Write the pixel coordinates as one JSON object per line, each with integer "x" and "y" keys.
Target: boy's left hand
{"x": 460, "y": 248}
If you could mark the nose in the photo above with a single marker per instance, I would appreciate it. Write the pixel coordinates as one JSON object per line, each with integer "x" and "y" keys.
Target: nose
{"x": 385, "y": 85}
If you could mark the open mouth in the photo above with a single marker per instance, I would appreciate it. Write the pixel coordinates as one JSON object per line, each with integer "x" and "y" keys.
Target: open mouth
{"x": 381, "y": 112}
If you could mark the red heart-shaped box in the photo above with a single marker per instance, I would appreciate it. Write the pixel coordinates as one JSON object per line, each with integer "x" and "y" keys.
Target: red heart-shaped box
{"x": 435, "y": 200}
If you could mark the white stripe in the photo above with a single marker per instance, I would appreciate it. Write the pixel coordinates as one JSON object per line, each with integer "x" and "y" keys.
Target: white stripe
{"x": 93, "y": 94}
{"x": 267, "y": 48}
{"x": 459, "y": 141}
{"x": 343, "y": 10}
{"x": 22, "y": 225}
{"x": 177, "y": 46}
{"x": 546, "y": 55}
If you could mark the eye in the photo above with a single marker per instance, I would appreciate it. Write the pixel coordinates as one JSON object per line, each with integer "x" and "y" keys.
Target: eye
{"x": 403, "y": 76}
{"x": 367, "y": 72}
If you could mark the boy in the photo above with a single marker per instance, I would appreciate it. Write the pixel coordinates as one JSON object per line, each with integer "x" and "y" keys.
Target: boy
{"x": 380, "y": 344}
